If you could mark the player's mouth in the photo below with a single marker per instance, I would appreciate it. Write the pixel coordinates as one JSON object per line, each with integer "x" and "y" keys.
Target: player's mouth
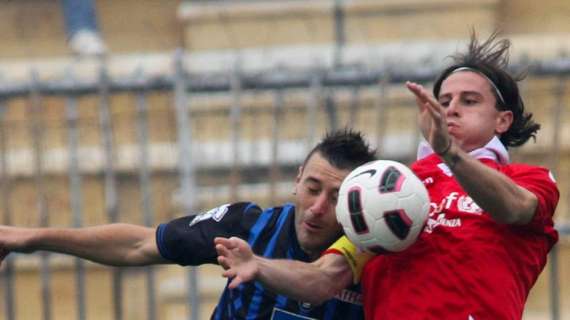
{"x": 312, "y": 227}
{"x": 452, "y": 125}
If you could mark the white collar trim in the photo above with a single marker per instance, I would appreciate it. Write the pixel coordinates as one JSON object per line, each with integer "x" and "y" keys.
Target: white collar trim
{"x": 494, "y": 150}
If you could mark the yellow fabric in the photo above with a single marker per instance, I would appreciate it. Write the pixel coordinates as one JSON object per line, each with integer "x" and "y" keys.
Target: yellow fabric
{"x": 355, "y": 257}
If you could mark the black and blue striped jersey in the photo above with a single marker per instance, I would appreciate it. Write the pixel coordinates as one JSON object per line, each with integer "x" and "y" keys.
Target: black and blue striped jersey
{"x": 270, "y": 233}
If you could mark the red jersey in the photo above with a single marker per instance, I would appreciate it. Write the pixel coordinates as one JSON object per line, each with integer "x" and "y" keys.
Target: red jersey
{"x": 464, "y": 264}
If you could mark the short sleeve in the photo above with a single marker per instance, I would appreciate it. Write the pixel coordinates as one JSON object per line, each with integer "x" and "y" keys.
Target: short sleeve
{"x": 541, "y": 183}
{"x": 355, "y": 257}
{"x": 190, "y": 240}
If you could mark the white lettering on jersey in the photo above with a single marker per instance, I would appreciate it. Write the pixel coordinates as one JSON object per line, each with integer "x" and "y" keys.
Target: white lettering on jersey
{"x": 215, "y": 214}
{"x": 441, "y": 221}
{"x": 466, "y": 204}
{"x": 453, "y": 201}
{"x": 449, "y": 199}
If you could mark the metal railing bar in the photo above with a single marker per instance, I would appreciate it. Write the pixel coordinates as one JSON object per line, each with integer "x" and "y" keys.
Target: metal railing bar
{"x": 36, "y": 132}
{"x": 110, "y": 184}
{"x": 5, "y": 187}
{"x": 142, "y": 129}
{"x": 76, "y": 195}
{"x": 264, "y": 80}
{"x": 554, "y": 166}
{"x": 186, "y": 168}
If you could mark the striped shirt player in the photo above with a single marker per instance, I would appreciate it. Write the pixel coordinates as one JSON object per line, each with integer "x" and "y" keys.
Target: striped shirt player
{"x": 271, "y": 233}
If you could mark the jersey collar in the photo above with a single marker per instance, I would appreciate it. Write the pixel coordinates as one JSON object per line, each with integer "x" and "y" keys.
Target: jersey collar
{"x": 494, "y": 150}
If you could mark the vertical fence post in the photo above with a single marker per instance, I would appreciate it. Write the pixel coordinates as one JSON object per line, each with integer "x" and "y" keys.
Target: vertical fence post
{"x": 5, "y": 187}
{"x": 186, "y": 166}
{"x": 76, "y": 196}
{"x": 111, "y": 199}
{"x": 142, "y": 129}
{"x": 235, "y": 127}
{"x": 340, "y": 34}
{"x": 353, "y": 106}
{"x": 554, "y": 163}
{"x": 381, "y": 112}
{"x": 331, "y": 109}
{"x": 315, "y": 93}
{"x": 278, "y": 105}
{"x": 37, "y": 134}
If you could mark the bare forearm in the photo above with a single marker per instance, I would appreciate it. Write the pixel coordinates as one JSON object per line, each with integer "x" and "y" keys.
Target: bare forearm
{"x": 115, "y": 244}
{"x": 310, "y": 282}
{"x": 494, "y": 192}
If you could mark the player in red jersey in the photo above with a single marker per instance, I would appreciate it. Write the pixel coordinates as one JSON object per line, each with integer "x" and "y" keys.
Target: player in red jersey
{"x": 490, "y": 226}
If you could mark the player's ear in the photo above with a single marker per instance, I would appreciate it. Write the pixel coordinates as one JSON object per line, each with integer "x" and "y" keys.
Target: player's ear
{"x": 504, "y": 121}
{"x": 299, "y": 174}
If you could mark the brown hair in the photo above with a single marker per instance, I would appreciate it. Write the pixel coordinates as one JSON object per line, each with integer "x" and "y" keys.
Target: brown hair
{"x": 491, "y": 59}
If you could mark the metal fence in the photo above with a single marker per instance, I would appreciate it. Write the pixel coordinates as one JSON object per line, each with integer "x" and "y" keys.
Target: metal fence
{"x": 269, "y": 121}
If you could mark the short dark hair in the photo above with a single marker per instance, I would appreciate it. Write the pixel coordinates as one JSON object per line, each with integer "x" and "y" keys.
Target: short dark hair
{"x": 491, "y": 59}
{"x": 344, "y": 149}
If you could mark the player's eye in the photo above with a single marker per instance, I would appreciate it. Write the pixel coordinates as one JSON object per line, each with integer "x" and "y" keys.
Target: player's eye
{"x": 313, "y": 190}
{"x": 444, "y": 103}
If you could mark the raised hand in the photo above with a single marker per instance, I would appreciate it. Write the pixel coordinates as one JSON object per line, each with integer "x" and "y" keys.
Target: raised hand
{"x": 237, "y": 258}
{"x": 431, "y": 118}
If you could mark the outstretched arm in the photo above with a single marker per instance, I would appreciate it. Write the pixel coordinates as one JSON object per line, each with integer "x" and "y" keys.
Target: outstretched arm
{"x": 311, "y": 282}
{"x": 505, "y": 201}
{"x": 114, "y": 244}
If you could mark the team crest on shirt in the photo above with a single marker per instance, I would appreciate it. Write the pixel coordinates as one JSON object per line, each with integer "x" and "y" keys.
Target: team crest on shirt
{"x": 216, "y": 214}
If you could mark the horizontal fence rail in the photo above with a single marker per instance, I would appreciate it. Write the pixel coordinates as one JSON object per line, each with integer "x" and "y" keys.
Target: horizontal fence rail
{"x": 261, "y": 80}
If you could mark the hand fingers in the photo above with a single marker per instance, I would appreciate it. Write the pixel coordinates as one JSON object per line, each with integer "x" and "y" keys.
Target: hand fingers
{"x": 427, "y": 101}
{"x": 229, "y": 274}
{"x": 416, "y": 90}
{"x": 222, "y": 250}
{"x": 223, "y": 262}
{"x": 223, "y": 241}
{"x": 421, "y": 93}
{"x": 228, "y": 271}
{"x": 235, "y": 283}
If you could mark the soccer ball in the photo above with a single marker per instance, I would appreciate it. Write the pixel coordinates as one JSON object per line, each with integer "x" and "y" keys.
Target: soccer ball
{"x": 382, "y": 206}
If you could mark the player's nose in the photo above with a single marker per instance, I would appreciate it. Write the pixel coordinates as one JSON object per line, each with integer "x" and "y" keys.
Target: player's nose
{"x": 321, "y": 204}
{"x": 453, "y": 108}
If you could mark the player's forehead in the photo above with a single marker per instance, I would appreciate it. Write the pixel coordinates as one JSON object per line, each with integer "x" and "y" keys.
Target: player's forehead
{"x": 465, "y": 83}
{"x": 319, "y": 169}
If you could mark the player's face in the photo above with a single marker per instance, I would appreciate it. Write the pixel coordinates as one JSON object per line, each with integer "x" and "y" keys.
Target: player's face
{"x": 472, "y": 118}
{"x": 317, "y": 186}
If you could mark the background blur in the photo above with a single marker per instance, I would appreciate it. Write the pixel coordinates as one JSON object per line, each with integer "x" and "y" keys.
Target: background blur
{"x": 143, "y": 111}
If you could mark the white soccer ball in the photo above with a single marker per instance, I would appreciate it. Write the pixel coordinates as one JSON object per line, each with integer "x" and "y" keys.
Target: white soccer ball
{"x": 382, "y": 206}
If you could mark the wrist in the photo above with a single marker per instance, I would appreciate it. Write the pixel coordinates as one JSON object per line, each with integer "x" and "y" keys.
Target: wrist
{"x": 443, "y": 152}
{"x": 450, "y": 155}
{"x": 260, "y": 268}
{"x": 31, "y": 239}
